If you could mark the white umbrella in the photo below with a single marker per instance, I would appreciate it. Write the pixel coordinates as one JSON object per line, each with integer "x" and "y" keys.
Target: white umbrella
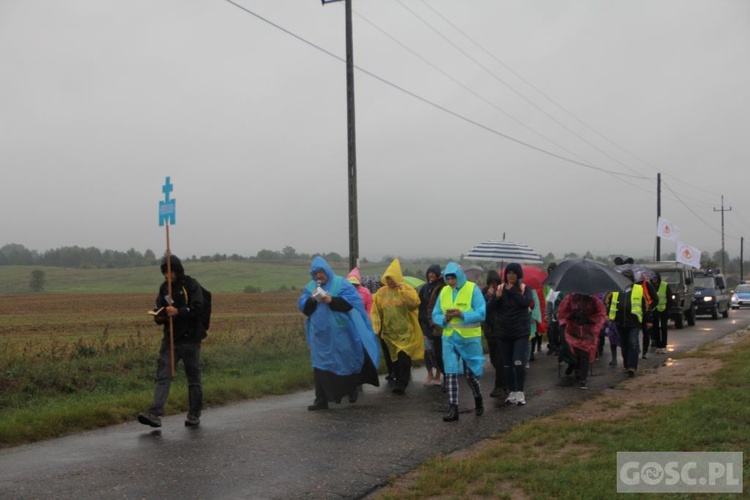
{"x": 505, "y": 251}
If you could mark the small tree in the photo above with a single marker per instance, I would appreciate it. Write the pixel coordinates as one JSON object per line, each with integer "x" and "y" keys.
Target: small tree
{"x": 36, "y": 284}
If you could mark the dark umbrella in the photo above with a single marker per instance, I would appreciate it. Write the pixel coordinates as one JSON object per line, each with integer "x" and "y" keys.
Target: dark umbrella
{"x": 639, "y": 271}
{"x": 586, "y": 276}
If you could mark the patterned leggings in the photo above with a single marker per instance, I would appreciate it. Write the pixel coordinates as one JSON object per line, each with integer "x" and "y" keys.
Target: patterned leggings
{"x": 451, "y": 381}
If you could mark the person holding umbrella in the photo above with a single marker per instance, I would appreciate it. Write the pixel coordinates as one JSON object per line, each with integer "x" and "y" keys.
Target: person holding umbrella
{"x": 627, "y": 309}
{"x": 512, "y": 302}
{"x": 460, "y": 309}
{"x": 581, "y": 318}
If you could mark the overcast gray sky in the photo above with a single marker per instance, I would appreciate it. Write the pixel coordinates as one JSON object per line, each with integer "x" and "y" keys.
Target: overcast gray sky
{"x": 546, "y": 120}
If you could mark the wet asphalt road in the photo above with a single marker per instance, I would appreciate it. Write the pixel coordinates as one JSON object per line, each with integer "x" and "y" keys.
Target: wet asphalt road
{"x": 275, "y": 448}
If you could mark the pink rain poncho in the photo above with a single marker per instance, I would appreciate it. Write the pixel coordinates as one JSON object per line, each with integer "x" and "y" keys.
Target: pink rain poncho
{"x": 583, "y": 317}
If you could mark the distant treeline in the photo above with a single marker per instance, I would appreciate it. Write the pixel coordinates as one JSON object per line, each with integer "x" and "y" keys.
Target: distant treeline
{"x": 15, "y": 254}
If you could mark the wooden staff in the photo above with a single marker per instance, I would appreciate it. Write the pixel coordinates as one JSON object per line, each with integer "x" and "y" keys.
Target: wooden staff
{"x": 169, "y": 303}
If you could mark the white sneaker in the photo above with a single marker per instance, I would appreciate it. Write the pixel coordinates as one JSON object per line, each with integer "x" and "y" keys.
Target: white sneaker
{"x": 512, "y": 398}
{"x": 520, "y": 399}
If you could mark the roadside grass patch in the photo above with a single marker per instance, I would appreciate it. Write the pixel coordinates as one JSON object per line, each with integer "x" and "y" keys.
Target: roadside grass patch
{"x": 77, "y": 362}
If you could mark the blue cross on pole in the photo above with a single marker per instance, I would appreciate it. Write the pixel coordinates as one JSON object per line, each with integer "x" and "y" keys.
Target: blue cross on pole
{"x": 167, "y": 208}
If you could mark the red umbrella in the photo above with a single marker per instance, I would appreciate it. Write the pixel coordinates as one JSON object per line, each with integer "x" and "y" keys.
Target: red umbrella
{"x": 533, "y": 276}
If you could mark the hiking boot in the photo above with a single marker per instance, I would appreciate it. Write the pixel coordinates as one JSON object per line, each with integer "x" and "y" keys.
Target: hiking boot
{"x": 497, "y": 392}
{"x": 478, "y": 406}
{"x": 520, "y": 398}
{"x": 570, "y": 369}
{"x": 583, "y": 385}
{"x": 631, "y": 372}
{"x": 398, "y": 391}
{"x": 644, "y": 356}
{"x": 512, "y": 398}
{"x": 452, "y": 414}
{"x": 149, "y": 419}
{"x": 192, "y": 420}
{"x": 318, "y": 404}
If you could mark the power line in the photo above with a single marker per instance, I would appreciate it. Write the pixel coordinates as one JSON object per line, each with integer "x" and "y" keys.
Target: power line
{"x": 433, "y": 104}
{"x": 519, "y": 94}
{"x": 574, "y": 116}
{"x": 466, "y": 87}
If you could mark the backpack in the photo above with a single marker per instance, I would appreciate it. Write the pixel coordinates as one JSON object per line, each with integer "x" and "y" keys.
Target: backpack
{"x": 206, "y": 311}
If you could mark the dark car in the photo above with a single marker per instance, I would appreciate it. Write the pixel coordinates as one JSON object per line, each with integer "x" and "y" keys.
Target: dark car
{"x": 711, "y": 295}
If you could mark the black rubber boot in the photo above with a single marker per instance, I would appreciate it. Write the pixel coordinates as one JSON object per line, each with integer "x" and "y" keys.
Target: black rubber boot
{"x": 318, "y": 404}
{"x": 478, "y": 406}
{"x": 452, "y": 414}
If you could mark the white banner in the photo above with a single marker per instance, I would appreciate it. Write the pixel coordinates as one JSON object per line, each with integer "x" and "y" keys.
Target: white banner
{"x": 667, "y": 230}
{"x": 688, "y": 255}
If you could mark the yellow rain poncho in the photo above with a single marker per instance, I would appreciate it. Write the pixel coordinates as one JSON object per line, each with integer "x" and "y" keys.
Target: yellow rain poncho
{"x": 395, "y": 315}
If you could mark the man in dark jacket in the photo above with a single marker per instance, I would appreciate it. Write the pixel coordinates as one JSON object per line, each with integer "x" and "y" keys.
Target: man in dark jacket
{"x": 185, "y": 308}
{"x": 433, "y": 356}
{"x": 628, "y": 309}
{"x": 652, "y": 302}
{"x": 491, "y": 330}
{"x": 660, "y": 314}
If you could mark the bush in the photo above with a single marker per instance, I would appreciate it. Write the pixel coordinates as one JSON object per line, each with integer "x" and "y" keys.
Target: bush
{"x": 251, "y": 289}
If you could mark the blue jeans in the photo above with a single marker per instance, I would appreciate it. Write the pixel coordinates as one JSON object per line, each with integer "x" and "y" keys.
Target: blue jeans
{"x": 630, "y": 347}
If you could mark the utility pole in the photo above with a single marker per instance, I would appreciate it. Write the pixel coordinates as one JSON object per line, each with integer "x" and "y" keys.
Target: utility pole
{"x": 722, "y": 210}
{"x": 742, "y": 258}
{"x": 658, "y": 215}
{"x": 351, "y": 140}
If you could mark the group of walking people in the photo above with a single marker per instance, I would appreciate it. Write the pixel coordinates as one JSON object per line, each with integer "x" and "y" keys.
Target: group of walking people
{"x": 442, "y": 324}
{"x": 347, "y": 326}
{"x": 582, "y": 323}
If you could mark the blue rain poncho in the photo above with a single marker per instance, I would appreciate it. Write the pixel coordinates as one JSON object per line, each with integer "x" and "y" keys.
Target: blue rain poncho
{"x": 338, "y": 340}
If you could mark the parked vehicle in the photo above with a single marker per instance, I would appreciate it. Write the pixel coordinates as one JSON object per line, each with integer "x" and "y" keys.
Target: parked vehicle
{"x": 679, "y": 276}
{"x": 711, "y": 295}
{"x": 741, "y": 296}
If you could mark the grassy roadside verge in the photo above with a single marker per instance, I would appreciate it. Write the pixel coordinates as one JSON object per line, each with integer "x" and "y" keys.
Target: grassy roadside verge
{"x": 108, "y": 381}
{"x": 573, "y": 454}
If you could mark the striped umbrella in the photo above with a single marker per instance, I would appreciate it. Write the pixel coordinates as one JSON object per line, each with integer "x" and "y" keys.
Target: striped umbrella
{"x": 504, "y": 251}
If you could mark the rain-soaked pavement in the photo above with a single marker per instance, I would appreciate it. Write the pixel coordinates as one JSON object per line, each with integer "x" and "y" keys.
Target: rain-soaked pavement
{"x": 275, "y": 448}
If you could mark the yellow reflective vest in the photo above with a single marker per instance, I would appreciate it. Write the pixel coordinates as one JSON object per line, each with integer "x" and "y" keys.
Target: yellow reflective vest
{"x": 636, "y": 303}
{"x": 462, "y": 303}
{"x": 662, "y": 294}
